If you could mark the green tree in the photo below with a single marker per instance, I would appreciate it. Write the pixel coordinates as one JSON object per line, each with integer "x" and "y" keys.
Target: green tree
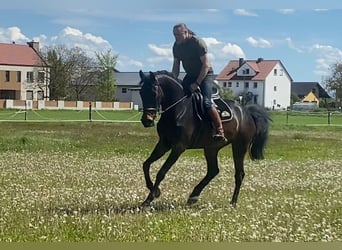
{"x": 226, "y": 94}
{"x": 106, "y": 85}
{"x": 71, "y": 72}
{"x": 58, "y": 74}
{"x": 294, "y": 98}
{"x": 334, "y": 81}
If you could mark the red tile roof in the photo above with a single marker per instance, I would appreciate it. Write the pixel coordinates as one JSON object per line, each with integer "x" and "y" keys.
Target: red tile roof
{"x": 18, "y": 55}
{"x": 261, "y": 67}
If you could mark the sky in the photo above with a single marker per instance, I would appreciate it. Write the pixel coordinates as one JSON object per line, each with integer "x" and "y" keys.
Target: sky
{"x": 304, "y": 35}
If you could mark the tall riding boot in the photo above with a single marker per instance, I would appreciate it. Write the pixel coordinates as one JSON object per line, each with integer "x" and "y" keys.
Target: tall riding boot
{"x": 216, "y": 120}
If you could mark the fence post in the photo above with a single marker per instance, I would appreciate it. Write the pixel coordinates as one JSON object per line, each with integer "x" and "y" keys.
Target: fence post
{"x": 25, "y": 111}
{"x": 329, "y": 117}
{"x": 287, "y": 117}
{"x": 90, "y": 111}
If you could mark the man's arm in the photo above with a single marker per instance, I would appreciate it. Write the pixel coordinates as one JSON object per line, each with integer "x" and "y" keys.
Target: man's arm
{"x": 176, "y": 67}
{"x": 205, "y": 68}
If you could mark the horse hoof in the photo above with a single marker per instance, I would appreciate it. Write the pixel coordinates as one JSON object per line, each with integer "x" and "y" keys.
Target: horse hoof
{"x": 233, "y": 204}
{"x": 192, "y": 200}
{"x": 156, "y": 193}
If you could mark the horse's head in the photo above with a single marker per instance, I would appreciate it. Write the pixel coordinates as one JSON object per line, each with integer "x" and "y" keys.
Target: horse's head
{"x": 149, "y": 96}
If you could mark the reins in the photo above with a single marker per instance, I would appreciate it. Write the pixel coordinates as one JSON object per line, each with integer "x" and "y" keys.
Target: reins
{"x": 175, "y": 103}
{"x": 172, "y": 105}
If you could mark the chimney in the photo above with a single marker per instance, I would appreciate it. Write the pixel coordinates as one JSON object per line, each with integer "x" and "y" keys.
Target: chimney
{"x": 241, "y": 61}
{"x": 260, "y": 59}
{"x": 34, "y": 45}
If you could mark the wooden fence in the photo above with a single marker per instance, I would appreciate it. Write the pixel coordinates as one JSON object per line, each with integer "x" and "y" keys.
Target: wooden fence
{"x": 73, "y": 105}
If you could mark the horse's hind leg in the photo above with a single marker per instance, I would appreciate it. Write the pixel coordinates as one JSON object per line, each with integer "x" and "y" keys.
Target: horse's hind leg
{"x": 239, "y": 151}
{"x": 212, "y": 171}
{"x": 172, "y": 158}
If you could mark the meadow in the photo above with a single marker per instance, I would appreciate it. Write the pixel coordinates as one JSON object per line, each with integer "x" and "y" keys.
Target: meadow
{"x": 83, "y": 182}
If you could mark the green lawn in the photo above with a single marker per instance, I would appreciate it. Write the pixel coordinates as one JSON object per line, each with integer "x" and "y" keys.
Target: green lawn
{"x": 83, "y": 182}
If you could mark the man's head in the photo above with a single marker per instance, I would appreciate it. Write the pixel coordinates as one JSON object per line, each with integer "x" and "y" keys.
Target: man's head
{"x": 181, "y": 32}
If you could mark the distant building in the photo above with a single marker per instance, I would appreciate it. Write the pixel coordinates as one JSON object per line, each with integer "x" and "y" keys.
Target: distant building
{"x": 301, "y": 89}
{"x": 309, "y": 93}
{"x": 23, "y": 73}
{"x": 264, "y": 82}
{"x": 127, "y": 87}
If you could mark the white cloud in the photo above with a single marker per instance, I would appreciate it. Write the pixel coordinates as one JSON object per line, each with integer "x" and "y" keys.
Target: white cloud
{"x": 71, "y": 37}
{"x": 89, "y": 43}
{"x": 234, "y": 50}
{"x": 291, "y": 45}
{"x": 219, "y": 53}
{"x": 320, "y": 10}
{"x": 326, "y": 57}
{"x": 163, "y": 51}
{"x": 210, "y": 41}
{"x": 244, "y": 12}
{"x": 286, "y": 11}
{"x": 12, "y": 34}
{"x": 125, "y": 63}
{"x": 260, "y": 42}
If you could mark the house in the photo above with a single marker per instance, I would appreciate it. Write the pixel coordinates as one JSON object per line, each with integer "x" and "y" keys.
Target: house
{"x": 302, "y": 89}
{"x": 23, "y": 73}
{"x": 263, "y": 82}
{"x": 311, "y": 97}
{"x": 309, "y": 93}
{"x": 127, "y": 87}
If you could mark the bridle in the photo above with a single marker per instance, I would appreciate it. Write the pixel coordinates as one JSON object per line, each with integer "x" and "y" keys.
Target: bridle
{"x": 157, "y": 104}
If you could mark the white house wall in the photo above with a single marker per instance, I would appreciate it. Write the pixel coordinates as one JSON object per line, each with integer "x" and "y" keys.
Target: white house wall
{"x": 277, "y": 89}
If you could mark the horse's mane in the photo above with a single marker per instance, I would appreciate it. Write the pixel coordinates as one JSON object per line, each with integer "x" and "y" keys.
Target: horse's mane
{"x": 169, "y": 74}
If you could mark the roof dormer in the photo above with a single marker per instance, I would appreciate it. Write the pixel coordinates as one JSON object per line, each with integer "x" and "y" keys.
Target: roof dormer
{"x": 246, "y": 70}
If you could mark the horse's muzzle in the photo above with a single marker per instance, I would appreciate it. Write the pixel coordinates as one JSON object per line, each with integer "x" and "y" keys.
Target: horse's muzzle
{"x": 147, "y": 119}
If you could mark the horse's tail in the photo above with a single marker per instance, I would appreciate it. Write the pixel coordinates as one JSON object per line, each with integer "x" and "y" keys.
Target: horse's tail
{"x": 262, "y": 122}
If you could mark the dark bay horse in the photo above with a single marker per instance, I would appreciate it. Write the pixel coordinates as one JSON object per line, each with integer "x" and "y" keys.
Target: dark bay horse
{"x": 179, "y": 128}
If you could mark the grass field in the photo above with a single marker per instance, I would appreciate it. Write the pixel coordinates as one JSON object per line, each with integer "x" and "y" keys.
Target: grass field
{"x": 83, "y": 182}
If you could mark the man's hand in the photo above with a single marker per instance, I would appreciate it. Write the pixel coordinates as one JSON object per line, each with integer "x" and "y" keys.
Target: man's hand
{"x": 194, "y": 87}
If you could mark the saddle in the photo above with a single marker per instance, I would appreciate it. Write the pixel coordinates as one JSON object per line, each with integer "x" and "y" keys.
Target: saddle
{"x": 223, "y": 108}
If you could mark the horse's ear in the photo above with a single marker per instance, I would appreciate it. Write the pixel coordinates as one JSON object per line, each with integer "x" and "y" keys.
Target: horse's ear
{"x": 142, "y": 75}
{"x": 152, "y": 76}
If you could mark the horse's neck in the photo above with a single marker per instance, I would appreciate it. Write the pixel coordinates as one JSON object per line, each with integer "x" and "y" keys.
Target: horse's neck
{"x": 172, "y": 92}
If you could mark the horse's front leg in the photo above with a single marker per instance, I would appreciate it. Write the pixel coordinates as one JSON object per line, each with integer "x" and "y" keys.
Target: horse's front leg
{"x": 172, "y": 158}
{"x": 159, "y": 150}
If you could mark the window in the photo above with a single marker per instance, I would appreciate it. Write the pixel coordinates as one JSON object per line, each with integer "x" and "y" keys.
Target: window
{"x": 224, "y": 84}
{"x": 41, "y": 76}
{"x": 124, "y": 90}
{"x": 275, "y": 72}
{"x": 29, "y": 95}
{"x": 255, "y": 85}
{"x": 229, "y": 84}
{"x": 29, "y": 77}
{"x": 237, "y": 84}
{"x": 18, "y": 76}
{"x": 245, "y": 71}
{"x": 40, "y": 95}
{"x": 7, "y": 76}
{"x": 275, "y": 88}
{"x": 281, "y": 72}
{"x": 246, "y": 85}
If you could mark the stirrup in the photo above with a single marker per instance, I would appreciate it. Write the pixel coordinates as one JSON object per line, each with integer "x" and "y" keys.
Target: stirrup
{"x": 219, "y": 136}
